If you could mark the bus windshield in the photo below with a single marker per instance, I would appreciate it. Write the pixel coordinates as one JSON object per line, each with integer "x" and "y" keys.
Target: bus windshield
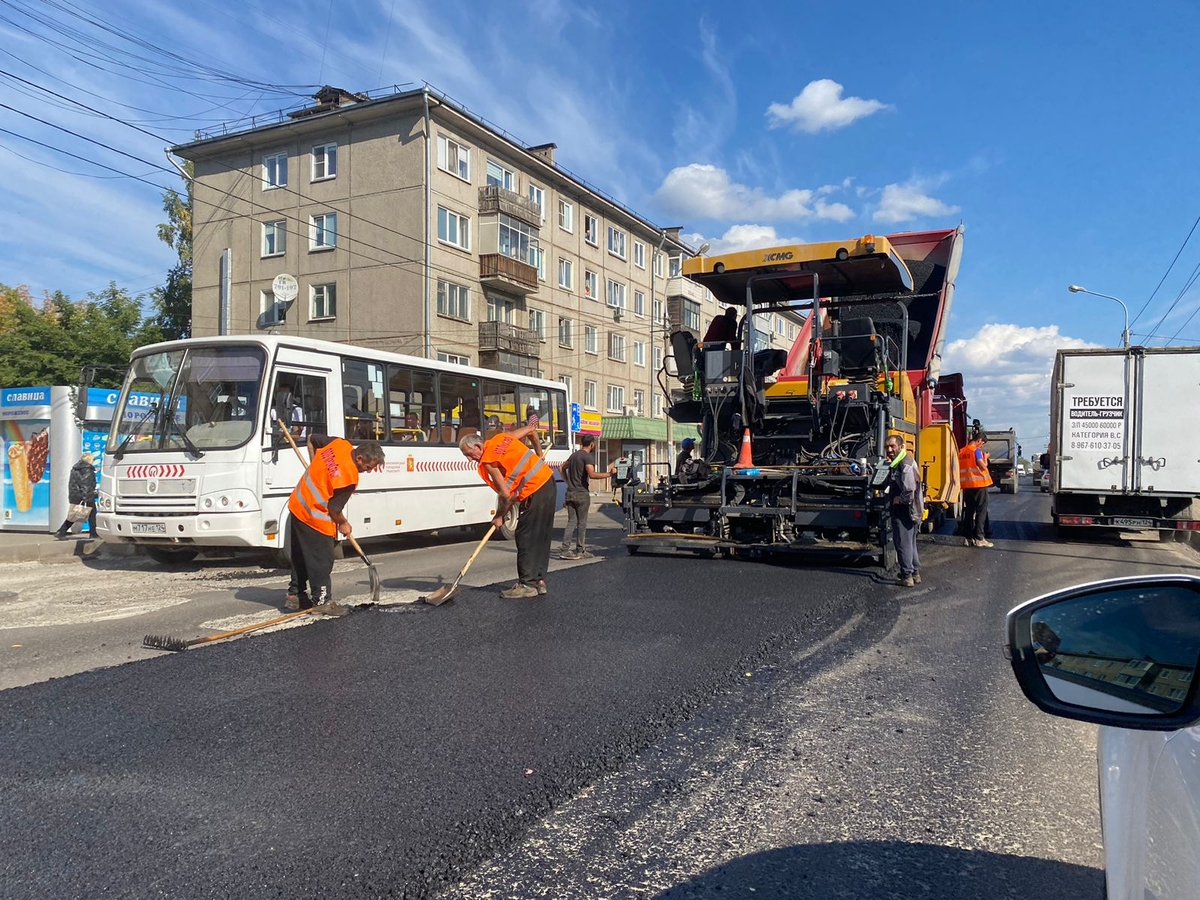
{"x": 201, "y": 398}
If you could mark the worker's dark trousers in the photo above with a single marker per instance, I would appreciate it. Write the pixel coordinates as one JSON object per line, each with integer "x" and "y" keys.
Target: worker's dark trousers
{"x": 975, "y": 513}
{"x": 534, "y": 533}
{"x": 312, "y": 561}
{"x": 904, "y": 536}
{"x": 575, "y": 535}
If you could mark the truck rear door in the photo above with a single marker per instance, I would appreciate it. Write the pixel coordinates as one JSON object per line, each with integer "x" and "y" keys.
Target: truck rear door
{"x": 1094, "y": 438}
{"x": 1166, "y": 456}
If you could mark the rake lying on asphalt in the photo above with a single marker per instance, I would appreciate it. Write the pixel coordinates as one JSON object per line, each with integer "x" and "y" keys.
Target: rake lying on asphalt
{"x": 174, "y": 644}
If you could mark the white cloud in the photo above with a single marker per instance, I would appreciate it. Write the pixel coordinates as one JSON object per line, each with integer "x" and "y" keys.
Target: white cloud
{"x": 1006, "y": 377}
{"x": 821, "y": 107}
{"x": 707, "y": 192}
{"x": 905, "y": 202}
{"x": 741, "y": 237}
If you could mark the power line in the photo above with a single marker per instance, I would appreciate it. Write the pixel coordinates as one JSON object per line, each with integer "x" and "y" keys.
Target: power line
{"x": 1166, "y": 273}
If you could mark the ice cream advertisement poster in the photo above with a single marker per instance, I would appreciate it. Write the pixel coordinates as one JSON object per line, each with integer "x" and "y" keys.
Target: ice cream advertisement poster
{"x": 25, "y": 500}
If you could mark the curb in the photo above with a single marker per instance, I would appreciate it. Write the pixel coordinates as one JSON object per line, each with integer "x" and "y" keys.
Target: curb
{"x": 52, "y": 550}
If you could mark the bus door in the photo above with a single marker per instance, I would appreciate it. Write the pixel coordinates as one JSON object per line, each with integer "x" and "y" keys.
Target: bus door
{"x": 299, "y": 399}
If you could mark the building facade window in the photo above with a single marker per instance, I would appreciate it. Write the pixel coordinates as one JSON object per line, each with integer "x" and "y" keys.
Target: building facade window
{"x": 566, "y": 274}
{"x": 616, "y": 398}
{"x": 591, "y": 285}
{"x": 591, "y": 339}
{"x": 639, "y": 304}
{"x": 454, "y": 157}
{"x": 616, "y": 294}
{"x": 275, "y": 171}
{"x": 322, "y": 231}
{"x": 565, "y": 381}
{"x": 566, "y": 332}
{"x": 639, "y": 353}
{"x": 691, "y": 315}
{"x": 657, "y": 356}
{"x": 499, "y": 309}
{"x": 453, "y": 229}
{"x": 323, "y": 301}
{"x": 658, "y": 406}
{"x": 589, "y": 395}
{"x": 324, "y": 162}
{"x": 660, "y": 316}
{"x": 657, "y": 265}
{"x": 566, "y": 216}
{"x": 639, "y": 254}
{"x": 540, "y": 255}
{"x": 616, "y": 346}
{"x": 453, "y": 300}
{"x": 639, "y": 402}
{"x": 591, "y": 230}
{"x": 518, "y": 240}
{"x": 674, "y": 266}
{"x": 501, "y": 175}
{"x": 537, "y": 322}
{"x": 454, "y": 358}
{"x": 538, "y": 196}
{"x": 616, "y": 242}
{"x": 274, "y": 238}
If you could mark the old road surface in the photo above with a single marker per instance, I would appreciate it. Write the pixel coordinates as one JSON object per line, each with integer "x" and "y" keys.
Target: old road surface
{"x": 656, "y": 727}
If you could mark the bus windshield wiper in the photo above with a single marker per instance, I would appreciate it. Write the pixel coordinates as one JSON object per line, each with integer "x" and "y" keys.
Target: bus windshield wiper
{"x": 137, "y": 429}
{"x": 187, "y": 441}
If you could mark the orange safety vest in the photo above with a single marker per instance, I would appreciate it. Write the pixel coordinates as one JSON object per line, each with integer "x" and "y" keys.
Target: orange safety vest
{"x": 332, "y": 468}
{"x": 524, "y": 471}
{"x": 971, "y": 475}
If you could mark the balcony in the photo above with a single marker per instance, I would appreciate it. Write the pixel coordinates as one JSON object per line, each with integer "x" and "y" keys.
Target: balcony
{"x": 495, "y": 199}
{"x": 510, "y": 363}
{"x": 686, "y": 288}
{"x": 506, "y": 338}
{"x": 503, "y": 273}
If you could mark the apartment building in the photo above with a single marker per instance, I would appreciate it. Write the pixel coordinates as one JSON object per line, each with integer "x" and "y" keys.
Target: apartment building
{"x": 413, "y": 225}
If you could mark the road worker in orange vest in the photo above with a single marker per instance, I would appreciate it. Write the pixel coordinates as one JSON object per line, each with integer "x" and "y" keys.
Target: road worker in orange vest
{"x": 317, "y": 519}
{"x": 976, "y": 481}
{"x": 519, "y": 476}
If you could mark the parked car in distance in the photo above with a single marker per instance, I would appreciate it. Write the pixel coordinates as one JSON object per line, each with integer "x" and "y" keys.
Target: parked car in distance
{"x": 1123, "y": 654}
{"x": 1021, "y": 469}
{"x": 1044, "y": 481}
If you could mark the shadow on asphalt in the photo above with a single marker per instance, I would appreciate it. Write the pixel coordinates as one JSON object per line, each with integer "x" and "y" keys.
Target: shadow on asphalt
{"x": 877, "y": 870}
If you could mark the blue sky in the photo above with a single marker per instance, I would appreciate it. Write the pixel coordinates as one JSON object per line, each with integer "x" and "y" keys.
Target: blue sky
{"x": 1060, "y": 134}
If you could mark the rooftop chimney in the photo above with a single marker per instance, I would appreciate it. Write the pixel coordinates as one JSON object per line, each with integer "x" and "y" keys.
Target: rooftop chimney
{"x": 545, "y": 151}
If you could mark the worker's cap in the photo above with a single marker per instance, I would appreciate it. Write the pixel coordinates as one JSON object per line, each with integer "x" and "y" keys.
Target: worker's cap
{"x": 688, "y": 443}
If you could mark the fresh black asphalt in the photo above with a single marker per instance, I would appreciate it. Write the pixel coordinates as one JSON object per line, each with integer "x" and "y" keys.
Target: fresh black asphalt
{"x": 383, "y": 754}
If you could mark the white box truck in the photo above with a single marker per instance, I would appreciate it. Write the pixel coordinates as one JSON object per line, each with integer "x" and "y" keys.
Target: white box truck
{"x": 1123, "y": 453}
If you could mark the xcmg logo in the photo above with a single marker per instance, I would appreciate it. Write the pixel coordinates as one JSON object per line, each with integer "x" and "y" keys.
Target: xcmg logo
{"x": 777, "y": 257}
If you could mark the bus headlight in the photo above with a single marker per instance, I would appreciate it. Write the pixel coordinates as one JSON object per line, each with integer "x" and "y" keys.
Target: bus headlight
{"x": 229, "y": 501}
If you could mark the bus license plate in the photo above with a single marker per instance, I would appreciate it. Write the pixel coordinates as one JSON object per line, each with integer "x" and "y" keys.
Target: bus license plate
{"x": 149, "y": 527}
{"x": 1126, "y": 522}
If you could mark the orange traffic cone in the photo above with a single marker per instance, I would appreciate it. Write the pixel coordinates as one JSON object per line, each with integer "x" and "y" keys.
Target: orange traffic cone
{"x": 745, "y": 458}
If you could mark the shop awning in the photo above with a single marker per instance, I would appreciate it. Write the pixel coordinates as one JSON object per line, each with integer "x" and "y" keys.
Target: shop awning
{"x": 632, "y": 428}
{"x": 638, "y": 428}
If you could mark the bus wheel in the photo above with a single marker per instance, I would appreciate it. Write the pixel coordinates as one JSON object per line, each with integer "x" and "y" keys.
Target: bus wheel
{"x": 508, "y": 530}
{"x": 170, "y": 557}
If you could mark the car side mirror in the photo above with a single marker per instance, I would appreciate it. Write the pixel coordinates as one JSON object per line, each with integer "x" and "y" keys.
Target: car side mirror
{"x": 1123, "y": 653}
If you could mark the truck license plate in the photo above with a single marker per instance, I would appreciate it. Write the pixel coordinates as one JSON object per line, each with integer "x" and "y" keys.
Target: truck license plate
{"x": 1126, "y": 522}
{"x": 149, "y": 527}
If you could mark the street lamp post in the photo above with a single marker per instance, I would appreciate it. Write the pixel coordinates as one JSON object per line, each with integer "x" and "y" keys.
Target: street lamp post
{"x": 1077, "y": 289}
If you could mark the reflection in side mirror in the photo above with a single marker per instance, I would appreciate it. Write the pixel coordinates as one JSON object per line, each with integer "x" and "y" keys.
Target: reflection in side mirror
{"x": 670, "y": 367}
{"x": 1122, "y": 652}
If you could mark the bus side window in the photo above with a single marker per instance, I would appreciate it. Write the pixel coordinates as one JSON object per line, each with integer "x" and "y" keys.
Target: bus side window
{"x": 458, "y": 403}
{"x": 362, "y": 400}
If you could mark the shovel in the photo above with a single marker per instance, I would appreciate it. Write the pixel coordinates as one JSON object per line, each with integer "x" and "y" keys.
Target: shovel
{"x": 442, "y": 594}
{"x": 372, "y": 574}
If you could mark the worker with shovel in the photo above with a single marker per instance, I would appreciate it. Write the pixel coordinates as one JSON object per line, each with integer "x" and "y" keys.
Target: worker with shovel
{"x": 518, "y": 474}
{"x": 316, "y": 510}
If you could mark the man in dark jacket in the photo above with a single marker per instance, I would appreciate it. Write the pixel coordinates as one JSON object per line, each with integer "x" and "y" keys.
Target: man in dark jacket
{"x": 908, "y": 506}
{"x": 578, "y": 471}
{"x": 81, "y": 489}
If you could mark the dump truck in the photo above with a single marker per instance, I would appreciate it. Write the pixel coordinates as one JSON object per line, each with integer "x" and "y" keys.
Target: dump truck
{"x": 1003, "y": 452}
{"x": 791, "y": 442}
{"x": 1121, "y": 452}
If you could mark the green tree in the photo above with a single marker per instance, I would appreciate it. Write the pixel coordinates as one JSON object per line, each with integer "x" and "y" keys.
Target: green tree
{"x": 172, "y": 302}
{"x": 50, "y": 343}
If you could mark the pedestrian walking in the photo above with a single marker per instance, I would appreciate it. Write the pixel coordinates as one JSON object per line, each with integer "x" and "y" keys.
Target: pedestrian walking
{"x": 81, "y": 491}
{"x": 317, "y": 519}
{"x": 579, "y": 470}
{"x": 519, "y": 476}
{"x": 975, "y": 480}
{"x": 907, "y": 507}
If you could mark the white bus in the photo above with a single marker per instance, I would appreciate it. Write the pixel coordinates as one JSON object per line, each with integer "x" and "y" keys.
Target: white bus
{"x": 195, "y": 459}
